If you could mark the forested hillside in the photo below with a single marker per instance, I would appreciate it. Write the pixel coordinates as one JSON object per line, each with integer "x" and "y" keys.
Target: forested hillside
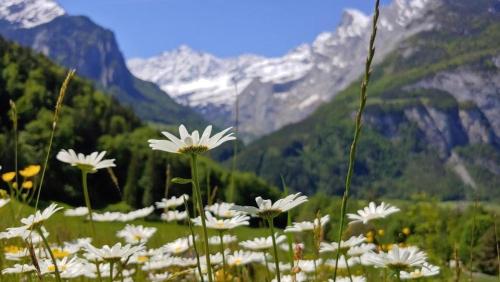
{"x": 90, "y": 121}
{"x": 432, "y": 123}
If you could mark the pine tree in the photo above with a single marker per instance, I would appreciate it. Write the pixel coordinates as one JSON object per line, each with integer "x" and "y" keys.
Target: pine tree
{"x": 131, "y": 190}
{"x": 152, "y": 180}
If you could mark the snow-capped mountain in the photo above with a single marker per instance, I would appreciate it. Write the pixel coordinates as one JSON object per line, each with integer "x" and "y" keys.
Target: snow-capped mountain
{"x": 273, "y": 92}
{"x": 78, "y": 42}
{"x": 29, "y": 13}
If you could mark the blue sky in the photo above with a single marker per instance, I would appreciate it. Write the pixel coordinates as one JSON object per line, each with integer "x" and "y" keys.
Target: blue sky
{"x": 222, "y": 27}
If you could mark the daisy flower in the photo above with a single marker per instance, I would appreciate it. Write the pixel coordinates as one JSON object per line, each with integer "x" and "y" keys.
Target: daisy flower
{"x": 397, "y": 258}
{"x": 160, "y": 277}
{"x": 107, "y": 216}
{"x": 174, "y": 215}
{"x": 88, "y": 163}
{"x": 222, "y": 224}
{"x": 262, "y": 243}
{"x": 36, "y": 220}
{"x": 308, "y": 266}
{"x": 299, "y": 277}
{"x": 343, "y": 262}
{"x": 348, "y": 279}
{"x": 172, "y": 202}
{"x": 68, "y": 269}
{"x": 356, "y": 251}
{"x": 136, "y": 234}
{"x": 178, "y": 246}
{"x": 344, "y": 245}
{"x": 226, "y": 239}
{"x": 114, "y": 253}
{"x": 79, "y": 211}
{"x": 191, "y": 143}
{"x": 307, "y": 225}
{"x": 239, "y": 258}
{"x": 266, "y": 209}
{"x": 19, "y": 268}
{"x": 3, "y": 202}
{"x": 427, "y": 270}
{"x": 223, "y": 210}
{"x": 140, "y": 213}
{"x": 371, "y": 212}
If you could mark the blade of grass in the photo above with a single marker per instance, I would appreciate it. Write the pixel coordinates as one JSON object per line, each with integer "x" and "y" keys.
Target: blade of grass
{"x": 59, "y": 103}
{"x": 357, "y": 129}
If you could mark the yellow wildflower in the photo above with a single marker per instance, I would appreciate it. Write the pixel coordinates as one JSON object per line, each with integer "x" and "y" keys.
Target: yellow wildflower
{"x": 381, "y": 232}
{"x": 8, "y": 176}
{"x": 30, "y": 171}
{"x": 406, "y": 231}
{"x": 27, "y": 184}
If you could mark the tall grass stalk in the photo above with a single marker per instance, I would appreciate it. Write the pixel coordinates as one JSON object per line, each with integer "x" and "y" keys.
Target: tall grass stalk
{"x": 357, "y": 130}
{"x": 235, "y": 143}
{"x": 221, "y": 236}
{"x": 52, "y": 257}
{"x": 196, "y": 183}
{"x": 168, "y": 178}
{"x": 472, "y": 238}
{"x": 289, "y": 236}
{"x": 496, "y": 243}
{"x": 13, "y": 117}
{"x": 59, "y": 103}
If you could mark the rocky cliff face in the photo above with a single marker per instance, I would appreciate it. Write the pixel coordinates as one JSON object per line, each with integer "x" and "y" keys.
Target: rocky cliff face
{"x": 431, "y": 121}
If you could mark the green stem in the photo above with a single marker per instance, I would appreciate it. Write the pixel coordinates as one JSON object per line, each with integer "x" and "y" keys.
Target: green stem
{"x": 54, "y": 261}
{"x": 98, "y": 270}
{"x": 268, "y": 274}
{"x": 275, "y": 249}
{"x": 194, "y": 243}
{"x": 62, "y": 93}
{"x": 357, "y": 130}
{"x": 194, "y": 175}
{"x": 111, "y": 271}
{"x": 87, "y": 201}
{"x": 348, "y": 269}
{"x": 223, "y": 256}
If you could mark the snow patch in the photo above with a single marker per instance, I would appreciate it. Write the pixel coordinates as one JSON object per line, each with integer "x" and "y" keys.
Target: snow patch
{"x": 29, "y": 13}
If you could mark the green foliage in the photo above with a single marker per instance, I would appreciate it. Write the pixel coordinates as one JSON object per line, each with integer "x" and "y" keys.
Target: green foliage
{"x": 395, "y": 158}
{"x": 90, "y": 121}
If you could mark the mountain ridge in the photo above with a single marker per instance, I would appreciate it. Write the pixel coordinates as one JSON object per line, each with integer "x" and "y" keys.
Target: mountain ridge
{"x": 302, "y": 79}
{"x": 431, "y": 123}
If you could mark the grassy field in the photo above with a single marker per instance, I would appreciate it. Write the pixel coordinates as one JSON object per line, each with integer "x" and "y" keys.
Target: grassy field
{"x": 64, "y": 228}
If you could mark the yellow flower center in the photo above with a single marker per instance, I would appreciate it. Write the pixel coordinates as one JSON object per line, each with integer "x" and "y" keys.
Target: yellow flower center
{"x": 58, "y": 253}
{"x": 142, "y": 258}
{"x": 238, "y": 261}
{"x": 220, "y": 223}
{"x": 12, "y": 249}
{"x": 177, "y": 249}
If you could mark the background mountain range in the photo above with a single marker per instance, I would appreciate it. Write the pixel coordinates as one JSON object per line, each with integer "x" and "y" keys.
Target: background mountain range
{"x": 433, "y": 118}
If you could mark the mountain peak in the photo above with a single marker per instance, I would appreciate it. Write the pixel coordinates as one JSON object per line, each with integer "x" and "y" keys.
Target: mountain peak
{"x": 353, "y": 23}
{"x": 29, "y": 13}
